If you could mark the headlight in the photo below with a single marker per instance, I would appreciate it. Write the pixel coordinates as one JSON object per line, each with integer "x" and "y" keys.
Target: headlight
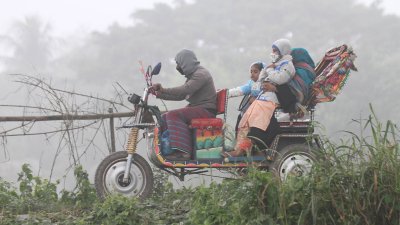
{"x": 134, "y": 99}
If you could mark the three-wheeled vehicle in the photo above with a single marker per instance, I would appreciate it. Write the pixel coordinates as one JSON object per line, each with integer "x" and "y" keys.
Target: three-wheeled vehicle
{"x": 128, "y": 173}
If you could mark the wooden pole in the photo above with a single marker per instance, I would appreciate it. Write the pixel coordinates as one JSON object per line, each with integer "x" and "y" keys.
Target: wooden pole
{"x": 64, "y": 117}
{"x": 112, "y": 133}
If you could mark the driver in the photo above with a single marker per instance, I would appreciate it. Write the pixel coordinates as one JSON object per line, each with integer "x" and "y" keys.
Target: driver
{"x": 199, "y": 91}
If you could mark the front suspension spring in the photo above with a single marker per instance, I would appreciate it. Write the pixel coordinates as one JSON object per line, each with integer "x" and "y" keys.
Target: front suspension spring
{"x": 132, "y": 140}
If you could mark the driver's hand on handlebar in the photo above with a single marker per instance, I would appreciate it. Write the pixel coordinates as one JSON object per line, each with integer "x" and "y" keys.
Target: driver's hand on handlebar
{"x": 156, "y": 87}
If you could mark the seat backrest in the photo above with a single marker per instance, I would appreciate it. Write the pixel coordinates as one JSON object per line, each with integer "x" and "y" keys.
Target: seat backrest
{"x": 221, "y": 101}
{"x": 332, "y": 73}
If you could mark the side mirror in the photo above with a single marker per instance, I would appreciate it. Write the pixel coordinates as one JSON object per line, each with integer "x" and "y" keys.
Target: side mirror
{"x": 156, "y": 69}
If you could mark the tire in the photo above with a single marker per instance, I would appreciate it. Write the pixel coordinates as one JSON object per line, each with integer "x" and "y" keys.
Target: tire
{"x": 110, "y": 172}
{"x": 293, "y": 160}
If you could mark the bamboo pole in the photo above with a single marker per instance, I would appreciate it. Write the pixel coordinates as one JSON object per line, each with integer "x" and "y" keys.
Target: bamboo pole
{"x": 112, "y": 133}
{"x": 64, "y": 117}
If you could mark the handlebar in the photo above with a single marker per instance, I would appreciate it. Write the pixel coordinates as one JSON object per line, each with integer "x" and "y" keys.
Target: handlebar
{"x": 148, "y": 75}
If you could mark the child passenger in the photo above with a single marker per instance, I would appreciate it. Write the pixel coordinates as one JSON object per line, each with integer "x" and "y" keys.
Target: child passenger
{"x": 252, "y": 87}
{"x": 250, "y": 90}
{"x": 258, "y": 115}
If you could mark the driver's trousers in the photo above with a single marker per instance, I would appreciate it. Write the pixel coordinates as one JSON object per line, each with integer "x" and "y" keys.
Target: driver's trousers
{"x": 177, "y": 123}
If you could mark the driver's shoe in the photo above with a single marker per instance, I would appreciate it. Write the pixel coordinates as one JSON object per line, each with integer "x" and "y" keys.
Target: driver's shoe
{"x": 241, "y": 148}
{"x": 235, "y": 153}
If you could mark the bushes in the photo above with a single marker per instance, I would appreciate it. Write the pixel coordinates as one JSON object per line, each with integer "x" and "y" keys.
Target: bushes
{"x": 251, "y": 200}
{"x": 36, "y": 201}
{"x": 362, "y": 185}
{"x": 357, "y": 183}
{"x": 84, "y": 195}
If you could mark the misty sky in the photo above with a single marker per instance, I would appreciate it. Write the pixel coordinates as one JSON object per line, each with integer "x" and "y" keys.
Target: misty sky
{"x": 69, "y": 17}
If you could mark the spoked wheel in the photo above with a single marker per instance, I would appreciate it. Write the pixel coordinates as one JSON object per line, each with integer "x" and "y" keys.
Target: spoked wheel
{"x": 294, "y": 160}
{"x": 110, "y": 173}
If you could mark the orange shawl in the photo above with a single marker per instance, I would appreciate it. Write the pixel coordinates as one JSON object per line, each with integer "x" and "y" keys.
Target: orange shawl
{"x": 258, "y": 115}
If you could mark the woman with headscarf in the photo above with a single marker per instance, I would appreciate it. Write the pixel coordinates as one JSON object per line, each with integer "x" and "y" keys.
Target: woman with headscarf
{"x": 280, "y": 72}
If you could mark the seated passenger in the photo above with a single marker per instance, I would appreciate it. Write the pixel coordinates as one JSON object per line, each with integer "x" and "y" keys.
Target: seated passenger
{"x": 255, "y": 121}
{"x": 304, "y": 77}
{"x": 280, "y": 72}
{"x": 199, "y": 91}
{"x": 250, "y": 90}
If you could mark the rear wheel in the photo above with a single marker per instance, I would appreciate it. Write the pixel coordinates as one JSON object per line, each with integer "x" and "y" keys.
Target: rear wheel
{"x": 110, "y": 173}
{"x": 293, "y": 160}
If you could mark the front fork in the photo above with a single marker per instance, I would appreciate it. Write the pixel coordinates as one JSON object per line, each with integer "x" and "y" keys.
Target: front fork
{"x": 130, "y": 148}
{"x": 133, "y": 137}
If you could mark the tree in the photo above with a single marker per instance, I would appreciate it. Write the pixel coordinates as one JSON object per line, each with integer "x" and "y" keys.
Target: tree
{"x": 30, "y": 43}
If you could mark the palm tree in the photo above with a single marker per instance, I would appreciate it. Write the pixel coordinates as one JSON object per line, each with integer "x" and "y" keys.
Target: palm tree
{"x": 30, "y": 43}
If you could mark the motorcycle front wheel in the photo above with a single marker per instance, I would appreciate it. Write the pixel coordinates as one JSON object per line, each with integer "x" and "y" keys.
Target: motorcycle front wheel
{"x": 110, "y": 173}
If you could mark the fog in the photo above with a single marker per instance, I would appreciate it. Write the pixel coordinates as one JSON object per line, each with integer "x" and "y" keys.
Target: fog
{"x": 93, "y": 48}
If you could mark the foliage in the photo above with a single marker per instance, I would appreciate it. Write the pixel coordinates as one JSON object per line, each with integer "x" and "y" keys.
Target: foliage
{"x": 37, "y": 201}
{"x": 84, "y": 195}
{"x": 31, "y": 43}
{"x": 30, "y": 205}
{"x": 162, "y": 187}
{"x": 117, "y": 209}
{"x": 251, "y": 200}
{"x": 361, "y": 186}
{"x": 7, "y": 195}
{"x": 35, "y": 193}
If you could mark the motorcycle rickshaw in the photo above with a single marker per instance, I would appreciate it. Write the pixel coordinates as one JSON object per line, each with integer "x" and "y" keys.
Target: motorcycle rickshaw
{"x": 291, "y": 153}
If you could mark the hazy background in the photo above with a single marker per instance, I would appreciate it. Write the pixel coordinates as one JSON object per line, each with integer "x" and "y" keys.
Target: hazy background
{"x": 88, "y": 46}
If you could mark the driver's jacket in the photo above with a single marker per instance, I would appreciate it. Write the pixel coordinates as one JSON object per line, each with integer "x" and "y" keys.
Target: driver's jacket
{"x": 198, "y": 90}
